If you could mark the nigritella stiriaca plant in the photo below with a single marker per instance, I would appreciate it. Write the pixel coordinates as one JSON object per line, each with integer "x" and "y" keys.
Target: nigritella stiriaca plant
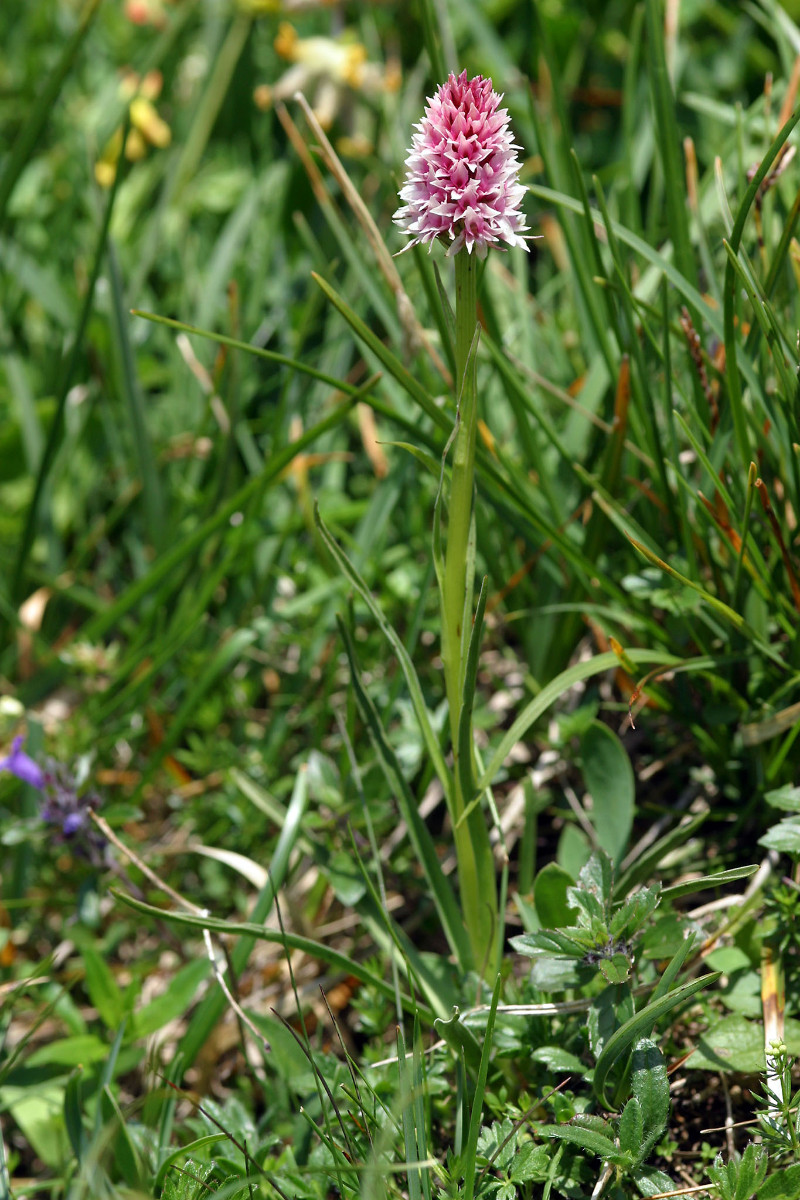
{"x": 462, "y": 189}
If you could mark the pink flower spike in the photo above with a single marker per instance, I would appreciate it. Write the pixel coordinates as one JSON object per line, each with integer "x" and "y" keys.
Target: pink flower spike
{"x": 462, "y": 173}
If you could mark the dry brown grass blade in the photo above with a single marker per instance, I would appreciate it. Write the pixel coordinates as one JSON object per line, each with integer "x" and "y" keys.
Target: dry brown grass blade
{"x": 773, "y": 1005}
{"x": 408, "y": 318}
{"x": 776, "y": 529}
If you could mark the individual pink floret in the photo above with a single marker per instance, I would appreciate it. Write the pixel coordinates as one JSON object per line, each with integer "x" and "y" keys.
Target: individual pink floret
{"x": 462, "y": 177}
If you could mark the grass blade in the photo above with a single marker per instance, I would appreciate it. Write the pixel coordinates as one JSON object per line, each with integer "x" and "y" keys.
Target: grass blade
{"x": 471, "y": 1147}
{"x": 213, "y": 1006}
{"x": 640, "y": 1026}
{"x": 403, "y": 657}
{"x": 37, "y": 118}
{"x": 440, "y": 890}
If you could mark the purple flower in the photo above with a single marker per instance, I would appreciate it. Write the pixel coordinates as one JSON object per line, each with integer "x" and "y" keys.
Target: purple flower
{"x": 22, "y": 765}
{"x": 65, "y": 806}
{"x": 462, "y": 178}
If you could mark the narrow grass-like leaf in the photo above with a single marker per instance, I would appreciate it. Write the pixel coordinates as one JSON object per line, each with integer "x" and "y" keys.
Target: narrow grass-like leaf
{"x": 668, "y": 141}
{"x": 272, "y": 356}
{"x": 476, "y": 1113}
{"x": 109, "y": 617}
{"x": 764, "y": 314}
{"x": 562, "y": 683}
{"x": 107, "y": 1074}
{"x": 421, "y": 1118}
{"x": 292, "y": 941}
{"x": 642, "y": 867}
{"x": 732, "y": 358}
{"x": 733, "y": 618}
{"x": 129, "y": 383}
{"x": 440, "y": 890}
{"x": 695, "y": 300}
{"x": 465, "y": 745}
{"x": 407, "y": 1117}
{"x": 388, "y": 934}
{"x": 73, "y": 1118}
{"x": 669, "y": 975}
{"x": 708, "y": 881}
{"x": 205, "y": 112}
{"x": 403, "y": 657}
{"x": 219, "y": 663}
{"x": 42, "y": 108}
{"x": 213, "y": 1005}
{"x": 385, "y": 356}
{"x": 66, "y": 378}
{"x": 639, "y": 1026}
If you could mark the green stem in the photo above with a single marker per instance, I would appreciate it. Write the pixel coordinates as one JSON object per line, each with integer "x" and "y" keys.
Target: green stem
{"x": 460, "y": 506}
{"x": 476, "y": 875}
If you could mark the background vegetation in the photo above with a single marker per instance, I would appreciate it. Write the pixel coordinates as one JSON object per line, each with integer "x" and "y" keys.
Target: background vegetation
{"x": 169, "y": 601}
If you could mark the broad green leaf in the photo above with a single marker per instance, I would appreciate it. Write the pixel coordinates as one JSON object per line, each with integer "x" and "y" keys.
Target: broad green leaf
{"x": 550, "y": 897}
{"x": 631, "y": 1128}
{"x": 651, "y": 1182}
{"x": 650, "y": 1086}
{"x": 615, "y": 969}
{"x": 174, "y": 1002}
{"x": 784, "y": 837}
{"x": 73, "y": 1118}
{"x": 783, "y": 1184}
{"x": 82, "y": 1050}
{"x": 102, "y": 987}
{"x": 751, "y": 1170}
{"x": 732, "y": 1044}
{"x": 786, "y": 797}
{"x": 37, "y": 1109}
{"x": 728, "y": 959}
{"x": 610, "y": 1009}
{"x": 608, "y": 776}
{"x": 559, "y": 974}
{"x": 633, "y": 914}
{"x": 530, "y": 1164}
{"x": 587, "y": 1139}
{"x": 558, "y": 1060}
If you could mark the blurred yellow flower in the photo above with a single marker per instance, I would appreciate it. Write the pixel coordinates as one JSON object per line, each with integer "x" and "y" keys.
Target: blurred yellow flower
{"x": 324, "y": 67}
{"x": 147, "y": 127}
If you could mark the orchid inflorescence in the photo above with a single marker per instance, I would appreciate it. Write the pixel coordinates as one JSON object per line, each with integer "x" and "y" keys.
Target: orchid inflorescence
{"x": 462, "y": 177}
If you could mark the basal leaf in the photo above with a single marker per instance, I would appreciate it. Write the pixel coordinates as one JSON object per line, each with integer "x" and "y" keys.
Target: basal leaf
{"x": 608, "y": 776}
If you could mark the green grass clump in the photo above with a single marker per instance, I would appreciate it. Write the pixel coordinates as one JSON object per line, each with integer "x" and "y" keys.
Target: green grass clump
{"x": 234, "y": 954}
